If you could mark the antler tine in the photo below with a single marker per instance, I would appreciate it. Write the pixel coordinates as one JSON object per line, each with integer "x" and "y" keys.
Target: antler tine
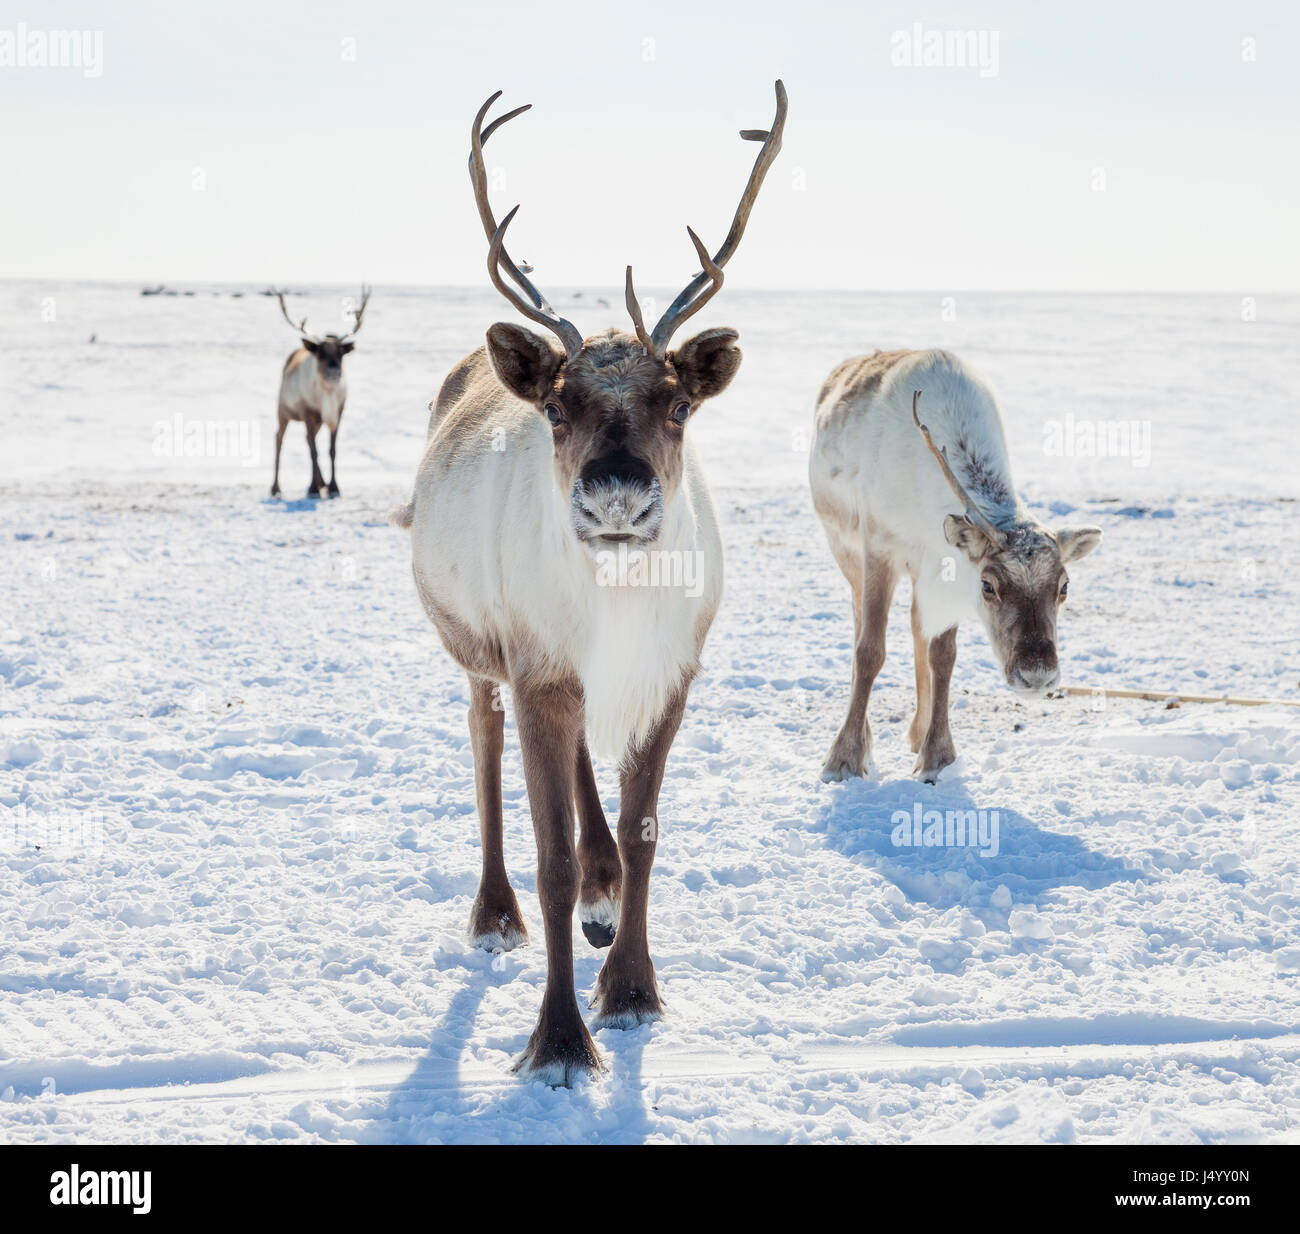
{"x": 685, "y": 305}
{"x": 634, "y": 310}
{"x": 500, "y": 120}
{"x": 567, "y": 331}
{"x": 973, "y": 512}
{"x": 713, "y": 272}
{"x": 299, "y": 326}
{"x": 536, "y": 307}
{"x": 478, "y": 175}
{"x": 359, "y": 313}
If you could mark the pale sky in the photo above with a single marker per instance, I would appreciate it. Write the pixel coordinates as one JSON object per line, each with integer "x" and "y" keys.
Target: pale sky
{"x": 1118, "y": 146}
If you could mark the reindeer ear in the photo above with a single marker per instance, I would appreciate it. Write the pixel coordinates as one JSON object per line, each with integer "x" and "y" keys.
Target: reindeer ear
{"x": 525, "y": 362}
{"x": 706, "y": 363}
{"x": 346, "y": 348}
{"x": 314, "y": 348}
{"x": 962, "y": 534}
{"x": 1076, "y": 542}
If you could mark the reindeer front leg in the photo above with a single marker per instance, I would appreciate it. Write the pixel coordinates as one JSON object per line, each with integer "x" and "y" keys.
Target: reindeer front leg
{"x": 549, "y": 718}
{"x": 851, "y": 752}
{"x": 602, "y": 872}
{"x": 282, "y": 424}
{"x": 317, "y": 483}
{"x": 921, "y": 650}
{"x": 334, "y": 436}
{"x": 937, "y": 750}
{"x": 495, "y": 923}
{"x": 626, "y": 993}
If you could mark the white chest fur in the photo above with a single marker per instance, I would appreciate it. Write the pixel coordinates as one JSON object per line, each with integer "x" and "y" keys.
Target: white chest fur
{"x": 495, "y": 550}
{"x": 304, "y": 389}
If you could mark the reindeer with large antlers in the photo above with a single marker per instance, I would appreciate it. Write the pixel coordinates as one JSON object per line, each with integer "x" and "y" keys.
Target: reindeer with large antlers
{"x": 545, "y": 474}
{"x": 892, "y": 501}
{"x": 313, "y": 391}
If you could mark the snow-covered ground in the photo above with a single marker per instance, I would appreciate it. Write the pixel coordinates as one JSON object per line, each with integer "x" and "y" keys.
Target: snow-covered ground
{"x": 245, "y": 759}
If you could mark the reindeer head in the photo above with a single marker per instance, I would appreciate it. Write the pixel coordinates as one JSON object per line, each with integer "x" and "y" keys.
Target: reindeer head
{"x": 617, "y": 404}
{"x": 1020, "y": 574}
{"x": 618, "y": 419}
{"x": 330, "y": 349}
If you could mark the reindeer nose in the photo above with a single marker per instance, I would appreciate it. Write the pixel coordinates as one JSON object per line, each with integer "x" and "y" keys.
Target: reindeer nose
{"x": 1036, "y": 679}
{"x": 615, "y": 510}
{"x": 1036, "y": 666}
{"x": 618, "y": 466}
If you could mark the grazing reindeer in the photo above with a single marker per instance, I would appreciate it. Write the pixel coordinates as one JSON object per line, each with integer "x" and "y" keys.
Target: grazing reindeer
{"x": 540, "y": 467}
{"x": 312, "y": 390}
{"x": 885, "y": 493}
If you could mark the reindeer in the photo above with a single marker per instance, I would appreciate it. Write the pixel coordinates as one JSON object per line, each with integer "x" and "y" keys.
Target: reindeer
{"x": 313, "y": 391}
{"x": 542, "y": 467}
{"x": 885, "y": 494}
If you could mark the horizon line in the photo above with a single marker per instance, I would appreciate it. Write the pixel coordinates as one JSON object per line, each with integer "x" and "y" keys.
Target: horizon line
{"x": 258, "y": 287}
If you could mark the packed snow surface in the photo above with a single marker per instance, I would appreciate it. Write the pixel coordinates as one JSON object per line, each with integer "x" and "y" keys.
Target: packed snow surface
{"x": 236, "y": 791}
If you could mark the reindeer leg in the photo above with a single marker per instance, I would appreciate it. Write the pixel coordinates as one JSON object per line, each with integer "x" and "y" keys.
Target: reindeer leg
{"x": 495, "y": 922}
{"x": 279, "y": 440}
{"x": 626, "y": 993}
{"x": 334, "y": 433}
{"x": 851, "y": 752}
{"x": 317, "y": 480}
{"x": 602, "y": 871}
{"x": 550, "y": 722}
{"x": 937, "y": 749}
{"x": 921, "y": 652}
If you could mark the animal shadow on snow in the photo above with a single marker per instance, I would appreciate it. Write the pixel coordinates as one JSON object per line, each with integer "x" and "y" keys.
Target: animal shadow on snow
{"x": 292, "y": 505}
{"x": 449, "y": 1099}
{"x": 1029, "y": 861}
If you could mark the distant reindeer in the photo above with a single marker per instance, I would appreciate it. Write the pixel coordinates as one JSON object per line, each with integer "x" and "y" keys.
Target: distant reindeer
{"x": 891, "y": 500}
{"x": 541, "y": 466}
{"x": 313, "y": 391}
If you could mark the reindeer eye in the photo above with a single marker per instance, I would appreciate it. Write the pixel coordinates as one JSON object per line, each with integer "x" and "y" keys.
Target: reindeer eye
{"x": 679, "y": 414}
{"x": 554, "y": 415}
{"x": 1065, "y": 587}
{"x": 989, "y": 591}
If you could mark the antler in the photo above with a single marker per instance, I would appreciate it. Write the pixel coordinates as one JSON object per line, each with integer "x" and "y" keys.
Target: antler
{"x": 358, "y": 314}
{"x": 535, "y": 305}
{"x": 300, "y": 326}
{"x": 696, "y": 295}
{"x": 634, "y": 311}
{"x": 994, "y": 534}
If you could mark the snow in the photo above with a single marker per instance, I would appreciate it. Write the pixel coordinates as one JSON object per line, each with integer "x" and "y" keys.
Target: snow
{"x": 245, "y": 760}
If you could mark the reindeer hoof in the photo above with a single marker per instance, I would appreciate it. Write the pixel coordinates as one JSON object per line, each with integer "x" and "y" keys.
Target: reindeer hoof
{"x": 839, "y": 768}
{"x": 497, "y": 941}
{"x": 626, "y": 994}
{"x": 599, "y": 920}
{"x": 334, "y": 490}
{"x": 558, "y": 1058}
{"x": 850, "y": 756}
{"x": 498, "y": 928}
{"x": 598, "y": 934}
{"x": 626, "y": 1008}
{"x": 275, "y": 490}
{"x": 929, "y": 768}
{"x": 834, "y": 772}
{"x": 555, "y": 1072}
